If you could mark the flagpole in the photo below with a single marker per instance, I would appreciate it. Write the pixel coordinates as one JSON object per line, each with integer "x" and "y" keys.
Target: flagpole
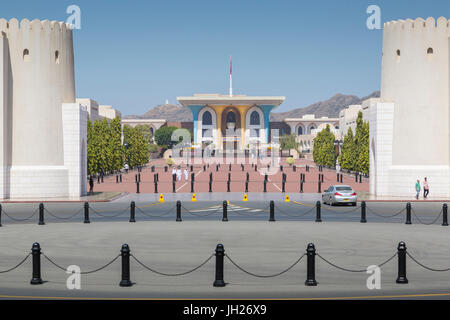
{"x": 231, "y": 79}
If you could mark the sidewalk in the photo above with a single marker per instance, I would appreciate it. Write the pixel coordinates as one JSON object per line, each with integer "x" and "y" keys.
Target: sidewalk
{"x": 97, "y": 197}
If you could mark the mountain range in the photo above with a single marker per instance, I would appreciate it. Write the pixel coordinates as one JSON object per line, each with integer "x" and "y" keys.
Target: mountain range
{"x": 327, "y": 108}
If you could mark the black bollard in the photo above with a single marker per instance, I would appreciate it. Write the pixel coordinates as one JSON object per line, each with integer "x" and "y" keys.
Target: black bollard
{"x": 136, "y": 178}
{"x": 246, "y": 186}
{"x": 36, "y": 255}
{"x": 165, "y": 168}
{"x": 210, "y": 186}
{"x": 401, "y": 253}
{"x": 281, "y": 167}
{"x": 318, "y": 216}
{"x": 41, "y": 214}
{"x": 337, "y": 177}
{"x": 311, "y": 266}
{"x": 272, "y": 211}
{"x": 125, "y": 254}
{"x": 153, "y": 168}
{"x": 1, "y": 214}
{"x": 174, "y": 187}
{"x": 225, "y": 211}
{"x": 319, "y": 187}
{"x": 408, "y": 213}
{"x": 204, "y": 167}
{"x": 220, "y": 253}
{"x": 98, "y": 179}
{"x": 247, "y": 177}
{"x": 117, "y": 178}
{"x": 228, "y": 186}
{"x": 217, "y": 167}
{"x": 256, "y": 168}
{"x": 178, "y": 211}
{"x": 301, "y": 186}
{"x": 139, "y": 177}
{"x": 86, "y": 212}
{"x": 132, "y": 211}
{"x": 137, "y": 187}
{"x": 360, "y": 178}
{"x": 120, "y": 178}
{"x": 342, "y": 176}
{"x": 192, "y": 168}
{"x": 210, "y": 176}
{"x": 265, "y": 185}
{"x": 102, "y": 178}
{"x": 356, "y": 177}
{"x": 229, "y": 167}
{"x": 444, "y": 215}
{"x": 283, "y": 186}
{"x": 156, "y": 186}
{"x": 242, "y": 167}
{"x": 294, "y": 168}
{"x": 363, "y": 212}
{"x": 229, "y": 176}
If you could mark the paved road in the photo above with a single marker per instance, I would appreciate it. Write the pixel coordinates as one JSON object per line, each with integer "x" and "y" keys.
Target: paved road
{"x": 257, "y": 246}
{"x": 385, "y": 212}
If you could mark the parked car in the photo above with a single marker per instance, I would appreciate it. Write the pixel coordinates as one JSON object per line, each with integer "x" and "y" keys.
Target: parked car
{"x": 339, "y": 194}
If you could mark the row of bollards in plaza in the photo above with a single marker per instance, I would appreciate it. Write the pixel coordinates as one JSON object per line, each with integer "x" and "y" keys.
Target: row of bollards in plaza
{"x": 219, "y": 278}
{"x": 178, "y": 206}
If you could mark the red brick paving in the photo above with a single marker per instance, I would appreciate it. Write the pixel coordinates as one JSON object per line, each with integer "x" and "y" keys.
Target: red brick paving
{"x": 219, "y": 179}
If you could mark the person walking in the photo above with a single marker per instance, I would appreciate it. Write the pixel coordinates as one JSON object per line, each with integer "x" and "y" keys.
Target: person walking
{"x": 186, "y": 174}
{"x": 91, "y": 185}
{"x": 426, "y": 188}
{"x": 179, "y": 174}
{"x": 417, "y": 189}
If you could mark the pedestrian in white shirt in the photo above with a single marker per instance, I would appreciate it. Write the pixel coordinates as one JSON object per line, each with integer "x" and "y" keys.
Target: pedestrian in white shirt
{"x": 179, "y": 174}
{"x": 186, "y": 174}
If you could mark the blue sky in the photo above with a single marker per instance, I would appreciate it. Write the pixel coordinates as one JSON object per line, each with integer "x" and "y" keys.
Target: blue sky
{"x": 134, "y": 54}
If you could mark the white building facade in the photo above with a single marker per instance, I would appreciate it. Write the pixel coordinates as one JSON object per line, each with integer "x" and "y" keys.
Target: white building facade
{"x": 43, "y": 129}
{"x": 409, "y": 126}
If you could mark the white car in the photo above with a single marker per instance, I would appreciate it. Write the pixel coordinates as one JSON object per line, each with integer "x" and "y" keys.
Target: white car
{"x": 339, "y": 194}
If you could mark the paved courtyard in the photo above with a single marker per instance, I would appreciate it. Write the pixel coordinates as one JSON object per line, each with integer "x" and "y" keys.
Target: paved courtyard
{"x": 237, "y": 178}
{"x": 258, "y": 247}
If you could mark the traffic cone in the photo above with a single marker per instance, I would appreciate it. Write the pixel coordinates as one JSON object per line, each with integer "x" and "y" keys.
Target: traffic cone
{"x": 245, "y": 197}
{"x": 228, "y": 202}
{"x": 194, "y": 199}
{"x": 161, "y": 198}
{"x": 287, "y": 198}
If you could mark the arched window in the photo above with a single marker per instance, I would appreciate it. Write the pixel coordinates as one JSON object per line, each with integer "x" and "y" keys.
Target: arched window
{"x": 430, "y": 51}
{"x": 26, "y": 55}
{"x": 57, "y": 57}
{"x": 207, "y": 119}
{"x": 254, "y": 118}
{"x": 398, "y": 53}
{"x": 311, "y": 129}
{"x": 231, "y": 117}
{"x": 300, "y": 130}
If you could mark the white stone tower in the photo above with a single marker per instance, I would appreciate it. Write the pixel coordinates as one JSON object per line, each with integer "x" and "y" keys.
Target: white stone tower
{"x": 43, "y": 137}
{"x": 410, "y": 127}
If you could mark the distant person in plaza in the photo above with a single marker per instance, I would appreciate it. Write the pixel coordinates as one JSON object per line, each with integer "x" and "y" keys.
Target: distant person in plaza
{"x": 126, "y": 167}
{"x": 179, "y": 173}
{"x": 91, "y": 185}
{"x": 186, "y": 174}
{"x": 417, "y": 188}
{"x": 174, "y": 173}
{"x": 426, "y": 188}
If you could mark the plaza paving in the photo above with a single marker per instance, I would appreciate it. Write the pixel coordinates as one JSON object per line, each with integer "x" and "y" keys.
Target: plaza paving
{"x": 260, "y": 247}
{"x": 238, "y": 177}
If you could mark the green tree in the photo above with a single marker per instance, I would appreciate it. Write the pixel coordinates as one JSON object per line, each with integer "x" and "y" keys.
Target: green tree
{"x": 115, "y": 144}
{"x": 324, "y": 149}
{"x": 137, "y": 150}
{"x": 347, "y": 154}
{"x": 163, "y": 136}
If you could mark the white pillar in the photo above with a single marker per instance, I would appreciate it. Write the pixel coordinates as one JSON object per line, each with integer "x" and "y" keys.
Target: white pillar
{"x": 75, "y": 147}
{"x": 4, "y": 115}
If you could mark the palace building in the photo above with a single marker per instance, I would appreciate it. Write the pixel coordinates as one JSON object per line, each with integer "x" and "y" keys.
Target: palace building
{"x": 238, "y": 120}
